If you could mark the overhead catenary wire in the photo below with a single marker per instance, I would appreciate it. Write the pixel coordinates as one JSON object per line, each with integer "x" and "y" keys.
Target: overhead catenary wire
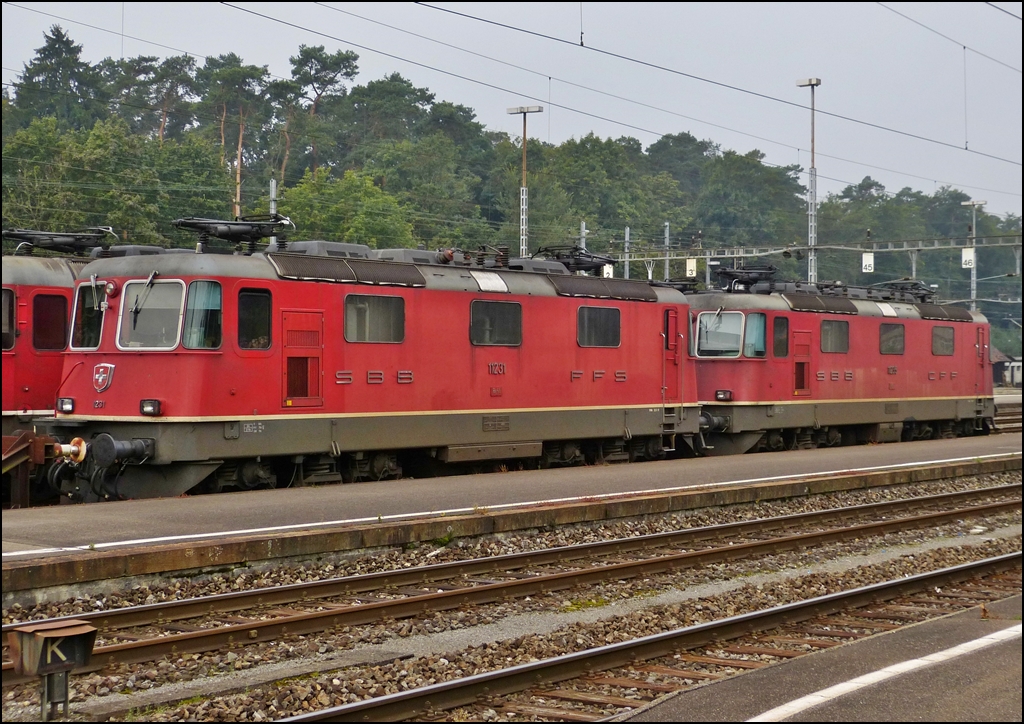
{"x": 720, "y": 84}
{"x": 650, "y": 106}
{"x": 946, "y": 37}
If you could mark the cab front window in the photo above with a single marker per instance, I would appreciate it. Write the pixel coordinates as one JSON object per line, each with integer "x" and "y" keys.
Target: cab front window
{"x": 88, "y": 324}
{"x": 150, "y": 315}
{"x": 719, "y": 334}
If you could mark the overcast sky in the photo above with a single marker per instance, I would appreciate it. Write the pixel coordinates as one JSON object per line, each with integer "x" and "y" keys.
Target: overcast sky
{"x": 876, "y": 67}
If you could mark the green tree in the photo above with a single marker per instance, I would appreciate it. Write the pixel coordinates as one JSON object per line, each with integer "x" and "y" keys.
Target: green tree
{"x": 56, "y": 179}
{"x": 129, "y": 84}
{"x": 235, "y": 92}
{"x": 58, "y": 83}
{"x": 321, "y": 76}
{"x": 744, "y": 202}
{"x": 350, "y": 209}
{"x": 173, "y": 88}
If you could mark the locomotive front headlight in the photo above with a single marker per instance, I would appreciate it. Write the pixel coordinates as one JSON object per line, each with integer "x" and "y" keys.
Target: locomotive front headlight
{"x": 150, "y": 407}
{"x": 66, "y": 405}
{"x": 723, "y": 395}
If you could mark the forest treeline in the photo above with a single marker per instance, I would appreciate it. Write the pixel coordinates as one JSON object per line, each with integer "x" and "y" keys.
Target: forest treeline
{"x": 135, "y": 143}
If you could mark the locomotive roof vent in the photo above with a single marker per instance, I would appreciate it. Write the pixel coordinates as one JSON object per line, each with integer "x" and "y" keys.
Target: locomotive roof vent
{"x": 539, "y": 266}
{"x": 316, "y": 247}
{"x": 133, "y": 250}
{"x": 414, "y": 256}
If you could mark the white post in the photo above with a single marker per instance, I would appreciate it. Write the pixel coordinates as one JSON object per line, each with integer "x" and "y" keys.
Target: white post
{"x": 974, "y": 266}
{"x": 583, "y": 235}
{"x": 273, "y": 203}
{"x": 666, "y": 251}
{"x": 524, "y": 245}
{"x": 626, "y": 246}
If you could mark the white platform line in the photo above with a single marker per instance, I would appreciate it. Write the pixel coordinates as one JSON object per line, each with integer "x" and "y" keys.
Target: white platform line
{"x": 476, "y": 509}
{"x": 834, "y": 692}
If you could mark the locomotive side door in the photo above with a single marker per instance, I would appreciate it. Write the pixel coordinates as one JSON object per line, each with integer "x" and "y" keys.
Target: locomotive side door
{"x": 671, "y": 367}
{"x": 982, "y": 358}
{"x": 303, "y": 334}
{"x": 801, "y": 363}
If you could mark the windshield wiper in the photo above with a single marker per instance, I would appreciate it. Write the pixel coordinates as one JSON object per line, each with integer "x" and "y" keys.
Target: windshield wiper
{"x": 137, "y": 307}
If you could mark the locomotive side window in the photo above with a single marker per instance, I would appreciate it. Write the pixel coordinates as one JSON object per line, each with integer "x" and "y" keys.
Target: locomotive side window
{"x": 719, "y": 334}
{"x": 8, "y": 320}
{"x": 49, "y": 322}
{"x": 942, "y": 341}
{"x": 891, "y": 339}
{"x": 780, "y": 337}
{"x": 496, "y": 324}
{"x": 754, "y": 342}
{"x": 202, "y": 316}
{"x": 835, "y": 336}
{"x": 597, "y": 327}
{"x": 374, "y": 319}
{"x": 88, "y": 324}
{"x": 254, "y": 309}
{"x": 150, "y": 314}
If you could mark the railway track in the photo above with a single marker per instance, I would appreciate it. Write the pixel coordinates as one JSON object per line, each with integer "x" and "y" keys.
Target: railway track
{"x": 1008, "y": 418}
{"x": 595, "y": 684}
{"x": 147, "y": 633}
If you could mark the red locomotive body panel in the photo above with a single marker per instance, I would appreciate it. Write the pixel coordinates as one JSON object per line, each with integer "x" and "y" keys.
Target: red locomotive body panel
{"x": 36, "y": 309}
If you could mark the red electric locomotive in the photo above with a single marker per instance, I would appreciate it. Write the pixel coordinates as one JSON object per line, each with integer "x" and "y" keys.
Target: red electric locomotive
{"x": 317, "y": 362}
{"x": 795, "y": 365}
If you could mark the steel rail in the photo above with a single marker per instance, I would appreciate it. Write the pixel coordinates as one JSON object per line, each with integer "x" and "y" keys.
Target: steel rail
{"x": 1008, "y": 418}
{"x": 462, "y": 692}
{"x": 158, "y": 613}
{"x": 258, "y": 631}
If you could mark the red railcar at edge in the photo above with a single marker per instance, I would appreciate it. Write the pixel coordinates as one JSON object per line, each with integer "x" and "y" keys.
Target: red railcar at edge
{"x": 36, "y": 309}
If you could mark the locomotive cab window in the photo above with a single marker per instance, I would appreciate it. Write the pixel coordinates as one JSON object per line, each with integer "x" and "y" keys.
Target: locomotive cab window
{"x": 87, "y": 327}
{"x": 202, "y": 316}
{"x": 254, "y": 309}
{"x": 374, "y": 319}
{"x": 835, "y": 336}
{"x": 150, "y": 314}
{"x": 719, "y": 334}
{"x": 780, "y": 337}
{"x": 754, "y": 342}
{"x": 597, "y": 327}
{"x": 8, "y": 320}
{"x": 942, "y": 341}
{"x": 49, "y": 322}
{"x": 891, "y": 339}
{"x": 496, "y": 324}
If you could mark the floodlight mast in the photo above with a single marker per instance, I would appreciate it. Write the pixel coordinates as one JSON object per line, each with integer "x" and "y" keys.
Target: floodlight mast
{"x": 812, "y": 193}
{"x": 524, "y": 246}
